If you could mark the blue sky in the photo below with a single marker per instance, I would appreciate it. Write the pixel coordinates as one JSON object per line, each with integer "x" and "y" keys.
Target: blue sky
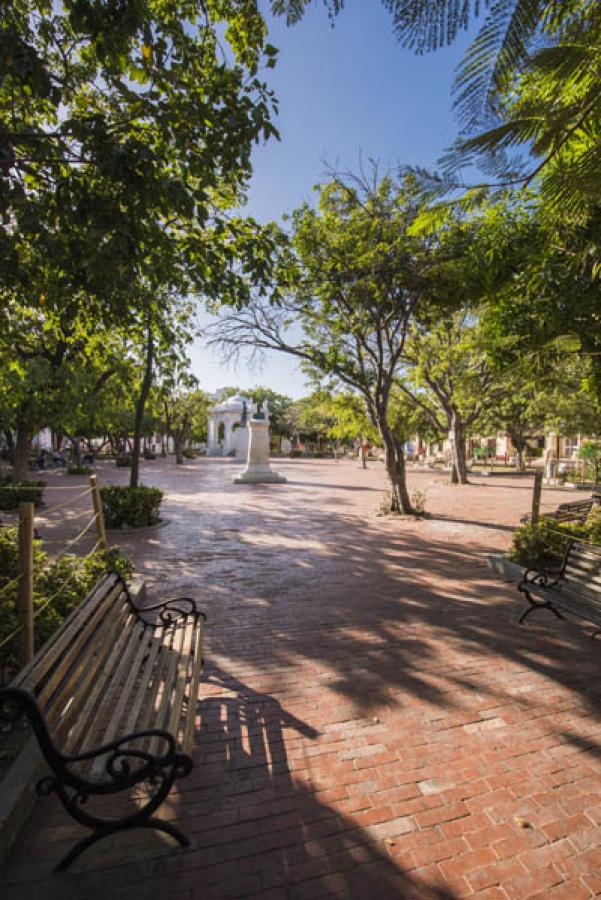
{"x": 344, "y": 92}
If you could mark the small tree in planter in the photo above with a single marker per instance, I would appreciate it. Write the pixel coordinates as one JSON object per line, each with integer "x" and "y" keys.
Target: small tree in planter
{"x": 137, "y": 507}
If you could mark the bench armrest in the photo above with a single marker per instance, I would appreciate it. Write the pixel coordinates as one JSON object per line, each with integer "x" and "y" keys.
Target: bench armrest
{"x": 171, "y": 609}
{"x": 124, "y": 766}
{"x": 539, "y": 579}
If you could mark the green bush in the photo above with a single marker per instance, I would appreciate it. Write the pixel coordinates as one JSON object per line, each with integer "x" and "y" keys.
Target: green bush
{"x": 188, "y": 454}
{"x": 14, "y": 492}
{"x": 79, "y": 470}
{"x": 67, "y": 580}
{"x": 123, "y": 462}
{"x": 295, "y": 454}
{"x": 136, "y": 507}
{"x": 543, "y": 546}
{"x": 593, "y": 525}
{"x": 319, "y": 454}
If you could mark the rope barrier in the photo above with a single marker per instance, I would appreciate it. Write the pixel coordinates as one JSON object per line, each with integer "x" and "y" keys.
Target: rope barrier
{"x": 47, "y": 602}
{"x": 76, "y": 539}
{"x": 54, "y": 595}
{"x": 10, "y": 584}
{"x": 62, "y": 505}
{"x": 10, "y": 636}
{"x": 573, "y": 537}
{"x": 79, "y": 515}
{"x": 41, "y": 487}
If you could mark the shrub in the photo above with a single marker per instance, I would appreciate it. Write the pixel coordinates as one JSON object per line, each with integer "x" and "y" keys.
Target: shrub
{"x": 149, "y": 454}
{"x": 79, "y": 470}
{"x": 593, "y": 525}
{"x": 124, "y": 462}
{"x": 295, "y": 454}
{"x": 188, "y": 454}
{"x": 14, "y": 492}
{"x": 542, "y": 546}
{"x": 319, "y": 454}
{"x": 418, "y": 502}
{"x": 67, "y": 580}
{"x": 136, "y": 507}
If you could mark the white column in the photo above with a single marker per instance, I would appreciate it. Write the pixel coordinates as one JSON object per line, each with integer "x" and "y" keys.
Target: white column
{"x": 257, "y": 469}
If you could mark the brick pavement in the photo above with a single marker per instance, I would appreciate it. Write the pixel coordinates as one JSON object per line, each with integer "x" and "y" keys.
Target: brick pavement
{"x": 371, "y": 721}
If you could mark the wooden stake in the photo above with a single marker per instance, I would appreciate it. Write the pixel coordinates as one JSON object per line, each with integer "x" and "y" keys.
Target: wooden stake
{"x": 536, "y": 495}
{"x": 98, "y": 514}
{"x": 24, "y": 608}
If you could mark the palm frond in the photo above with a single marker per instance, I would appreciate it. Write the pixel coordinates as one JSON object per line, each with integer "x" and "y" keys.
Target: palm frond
{"x": 499, "y": 50}
{"x": 426, "y": 25}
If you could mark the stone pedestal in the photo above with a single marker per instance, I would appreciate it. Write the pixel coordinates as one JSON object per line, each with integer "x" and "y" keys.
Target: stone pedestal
{"x": 257, "y": 469}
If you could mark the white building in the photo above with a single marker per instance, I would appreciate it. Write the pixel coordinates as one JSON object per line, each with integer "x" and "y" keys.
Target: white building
{"x": 228, "y": 431}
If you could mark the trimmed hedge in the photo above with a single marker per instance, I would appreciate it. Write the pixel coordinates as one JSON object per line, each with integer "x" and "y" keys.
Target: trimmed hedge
{"x": 14, "y": 492}
{"x": 79, "y": 470}
{"x": 136, "y": 507}
{"x": 123, "y": 462}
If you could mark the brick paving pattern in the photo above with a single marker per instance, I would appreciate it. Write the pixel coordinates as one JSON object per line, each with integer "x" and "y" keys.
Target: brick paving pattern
{"x": 371, "y": 723}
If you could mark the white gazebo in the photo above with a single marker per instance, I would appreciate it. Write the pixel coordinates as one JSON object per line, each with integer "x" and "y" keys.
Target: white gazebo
{"x": 228, "y": 427}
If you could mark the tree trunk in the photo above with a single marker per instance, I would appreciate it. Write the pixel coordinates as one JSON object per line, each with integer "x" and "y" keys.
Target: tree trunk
{"x": 520, "y": 456}
{"x": 75, "y": 449}
{"x": 177, "y": 446}
{"x": 140, "y": 406}
{"x": 394, "y": 459}
{"x": 163, "y": 449}
{"x": 22, "y": 451}
{"x": 10, "y": 445}
{"x": 458, "y": 459}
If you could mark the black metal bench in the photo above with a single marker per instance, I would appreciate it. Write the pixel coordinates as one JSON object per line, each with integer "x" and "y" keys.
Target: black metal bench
{"x": 575, "y": 587}
{"x": 112, "y": 700}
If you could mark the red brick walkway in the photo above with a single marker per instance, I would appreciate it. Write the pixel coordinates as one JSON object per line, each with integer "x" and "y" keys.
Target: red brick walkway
{"x": 372, "y": 723}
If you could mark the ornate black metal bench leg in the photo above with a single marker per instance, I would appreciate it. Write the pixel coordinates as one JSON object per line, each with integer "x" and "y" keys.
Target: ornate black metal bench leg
{"x": 536, "y": 605}
{"x": 157, "y": 824}
{"x": 526, "y": 613}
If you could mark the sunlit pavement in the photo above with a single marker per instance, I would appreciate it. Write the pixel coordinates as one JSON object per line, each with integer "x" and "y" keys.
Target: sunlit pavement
{"x": 372, "y": 722}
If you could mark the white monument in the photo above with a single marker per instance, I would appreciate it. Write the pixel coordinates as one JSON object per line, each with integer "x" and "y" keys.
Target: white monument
{"x": 228, "y": 427}
{"x": 257, "y": 469}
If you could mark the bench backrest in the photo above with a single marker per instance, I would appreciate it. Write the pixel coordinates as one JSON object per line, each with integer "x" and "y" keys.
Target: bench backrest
{"x": 582, "y": 571}
{"x": 73, "y": 659}
{"x": 576, "y": 506}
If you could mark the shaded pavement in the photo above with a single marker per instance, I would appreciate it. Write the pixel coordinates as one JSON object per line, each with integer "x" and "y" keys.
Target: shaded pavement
{"x": 371, "y": 721}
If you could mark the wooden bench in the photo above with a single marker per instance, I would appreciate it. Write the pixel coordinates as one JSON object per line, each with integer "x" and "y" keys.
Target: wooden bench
{"x": 575, "y": 587}
{"x": 112, "y": 700}
{"x": 575, "y": 511}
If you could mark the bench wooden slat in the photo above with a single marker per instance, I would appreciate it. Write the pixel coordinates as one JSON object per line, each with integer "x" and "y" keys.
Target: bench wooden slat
{"x": 164, "y": 697}
{"x": 47, "y": 656}
{"x": 193, "y": 694}
{"x": 76, "y": 639}
{"x": 92, "y": 683}
{"x": 106, "y": 724}
{"x": 143, "y": 689}
{"x": 147, "y": 717}
{"x": 183, "y": 668}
